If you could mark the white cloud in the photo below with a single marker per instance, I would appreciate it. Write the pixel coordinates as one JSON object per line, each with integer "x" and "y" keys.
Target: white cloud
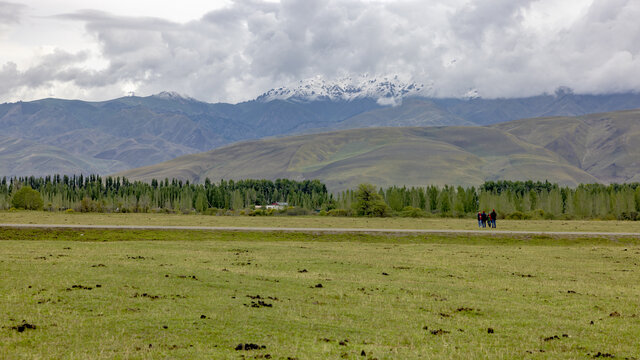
{"x": 502, "y": 48}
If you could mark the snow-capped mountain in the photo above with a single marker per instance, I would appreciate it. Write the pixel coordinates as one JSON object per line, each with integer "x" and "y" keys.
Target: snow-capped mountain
{"x": 385, "y": 90}
{"x": 472, "y": 94}
{"x": 172, "y": 95}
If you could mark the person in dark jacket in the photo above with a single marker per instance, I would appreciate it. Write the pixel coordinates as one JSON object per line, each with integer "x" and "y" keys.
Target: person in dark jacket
{"x": 484, "y": 219}
{"x": 493, "y": 217}
{"x": 479, "y": 219}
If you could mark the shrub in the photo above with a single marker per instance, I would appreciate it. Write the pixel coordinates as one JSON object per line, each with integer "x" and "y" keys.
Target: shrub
{"x": 632, "y": 215}
{"x": 257, "y": 212}
{"x": 27, "y": 198}
{"x": 410, "y": 211}
{"x": 211, "y": 211}
{"x": 338, "y": 212}
{"x": 518, "y": 215}
{"x": 536, "y": 214}
{"x": 295, "y": 211}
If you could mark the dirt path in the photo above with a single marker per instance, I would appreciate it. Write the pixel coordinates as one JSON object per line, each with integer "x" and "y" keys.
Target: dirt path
{"x": 325, "y": 230}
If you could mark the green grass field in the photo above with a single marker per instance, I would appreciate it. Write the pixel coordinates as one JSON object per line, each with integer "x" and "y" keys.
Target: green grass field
{"x": 198, "y": 294}
{"x": 44, "y": 217}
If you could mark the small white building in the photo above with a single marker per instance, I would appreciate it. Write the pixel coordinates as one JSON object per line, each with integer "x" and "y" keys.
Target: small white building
{"x": 277, "y": 206}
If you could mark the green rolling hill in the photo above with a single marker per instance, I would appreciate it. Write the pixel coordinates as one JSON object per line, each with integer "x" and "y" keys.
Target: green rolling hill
{"x": 568, "y": 150}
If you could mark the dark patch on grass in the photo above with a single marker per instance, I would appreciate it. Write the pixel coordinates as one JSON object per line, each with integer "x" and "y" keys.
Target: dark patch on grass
{"x": 439, "y": 332}
{"x": 303, "y": 271}
{"x": 148, "y": 296}
{"x": 136, "y": 257}
{"x": 79, "y": 287}
{"x": 98, "y": 265}
{"x": 254, "y": 297}
{"x": 193, "y": 277}
{"x": 258, "y": 304}
{"x": 603, "y": 355}
{"x": 23, "y": 326}
{"x": 490, "y": 331}
{"x": 523, "y": 275}
{"x": 249, "y": 346}
{"x": 318, "y": 286}
{"x": 344, "y": 342}
{"x": 385, "y": 274}
{"x": 554, "y": 337}
{"x": 465, "y": 309}
{"x": 615, "y": 314}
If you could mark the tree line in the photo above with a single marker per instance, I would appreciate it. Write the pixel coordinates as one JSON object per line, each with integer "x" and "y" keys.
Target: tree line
{"x": 117, "y": 194}
{"x": 511, "y": 199}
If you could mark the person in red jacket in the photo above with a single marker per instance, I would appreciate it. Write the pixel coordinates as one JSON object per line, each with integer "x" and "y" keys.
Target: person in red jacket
{"x": 479, "y": 219}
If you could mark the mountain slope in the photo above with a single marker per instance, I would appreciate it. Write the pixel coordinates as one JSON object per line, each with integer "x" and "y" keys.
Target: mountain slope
{"x": 568, "y": 150}
{"x": 20, "y": 157}
{"x": 139, "y": 131}
{"x": 606, "y": 145}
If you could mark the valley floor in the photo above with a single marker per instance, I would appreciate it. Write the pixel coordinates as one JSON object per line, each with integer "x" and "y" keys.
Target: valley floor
{"x": 139, "y": 219}
{"x": 88, "y": 293}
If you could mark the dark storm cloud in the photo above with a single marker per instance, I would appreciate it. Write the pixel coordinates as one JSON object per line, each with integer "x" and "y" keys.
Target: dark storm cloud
{"x": 239, "y": 51}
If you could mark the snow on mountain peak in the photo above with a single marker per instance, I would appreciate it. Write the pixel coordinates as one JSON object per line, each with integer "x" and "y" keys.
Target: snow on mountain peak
{"x": 172, "y": 95}
{"x": 472, "y": 94}
{"x": 385, "y": 90}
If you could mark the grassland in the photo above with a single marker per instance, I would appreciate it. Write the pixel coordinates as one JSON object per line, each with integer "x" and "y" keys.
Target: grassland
{"x": 199, "y": 294}
{"x": 40, "y": 217}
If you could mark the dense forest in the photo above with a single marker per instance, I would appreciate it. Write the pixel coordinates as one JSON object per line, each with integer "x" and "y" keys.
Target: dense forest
{"x": 96, "y": 194}
{"x": 511, "y": 199}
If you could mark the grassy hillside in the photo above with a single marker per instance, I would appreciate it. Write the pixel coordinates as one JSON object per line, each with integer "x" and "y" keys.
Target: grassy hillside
{"x": 138, "y": 131}
{"x": 383, "y": 156}
{"x": 605, "y": 145}
{"x": 18, "y": 156}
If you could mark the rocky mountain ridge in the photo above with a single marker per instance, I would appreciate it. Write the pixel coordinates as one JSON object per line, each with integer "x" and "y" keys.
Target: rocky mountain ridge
{"x": 388, "y": 90}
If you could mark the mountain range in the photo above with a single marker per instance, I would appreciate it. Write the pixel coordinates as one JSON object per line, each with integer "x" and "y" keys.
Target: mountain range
{"x": 567, "y": 150}
{"x": 71, "y": 136}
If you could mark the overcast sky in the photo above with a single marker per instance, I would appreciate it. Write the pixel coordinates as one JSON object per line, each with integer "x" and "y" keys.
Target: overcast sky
{"x": 235, "y": 50}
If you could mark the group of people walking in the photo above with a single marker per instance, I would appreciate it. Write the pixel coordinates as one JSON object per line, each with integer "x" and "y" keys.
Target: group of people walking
{"x": 484, "y": 218}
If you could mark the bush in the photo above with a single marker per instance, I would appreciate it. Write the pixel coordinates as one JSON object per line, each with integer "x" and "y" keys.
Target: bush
{"x": 88, "y": 205}
{"x": 518, "y": 215}
{"x": 338, "y": 212}
{"x": 28, "y": 199}
{"x": 633, "y": 216}
{"x": 410, "y": 211}
{"x": 536, "y": 214}
{"x": 295, "y": 211}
